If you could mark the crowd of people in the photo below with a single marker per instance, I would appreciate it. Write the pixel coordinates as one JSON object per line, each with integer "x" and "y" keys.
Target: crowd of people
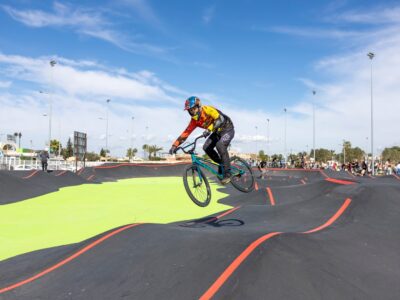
{"x": 362, "y": 168}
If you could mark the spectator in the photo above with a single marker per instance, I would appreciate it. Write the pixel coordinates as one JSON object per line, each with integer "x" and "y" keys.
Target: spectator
{"x": 398, "y": 168}
{"x": 388, "y": 167}
{"x": 44, "y": 156}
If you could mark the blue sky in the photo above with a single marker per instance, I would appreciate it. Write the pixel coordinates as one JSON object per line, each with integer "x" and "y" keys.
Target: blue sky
{"x": 251, "y": 58}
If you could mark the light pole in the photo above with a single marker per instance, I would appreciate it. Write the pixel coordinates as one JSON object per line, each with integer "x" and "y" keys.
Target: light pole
{"x": 49, "y": 115}
{"x": 314, "y": 127}
{"x": 52, "y": 64}
{"x": 108, "y": 101}
{"x": 133, "y": 118}
{"x": 268, "y": 144}
{"x": 371, "y": 56}
{"x": 366, "y": 149}
{"x": 285, "y": 110}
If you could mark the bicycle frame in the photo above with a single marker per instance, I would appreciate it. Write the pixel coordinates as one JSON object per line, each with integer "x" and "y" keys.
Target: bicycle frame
{"x": 199, "y": 162}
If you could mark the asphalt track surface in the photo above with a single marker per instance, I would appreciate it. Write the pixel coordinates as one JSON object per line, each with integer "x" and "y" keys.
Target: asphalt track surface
{"x": 299, "y": 235}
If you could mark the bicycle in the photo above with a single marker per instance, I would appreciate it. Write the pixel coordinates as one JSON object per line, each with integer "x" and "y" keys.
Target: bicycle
{"x": 194, "y": 178}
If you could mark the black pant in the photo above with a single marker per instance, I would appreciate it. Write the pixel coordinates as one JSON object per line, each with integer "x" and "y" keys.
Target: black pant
{"x": 221, "y": 141}
{"x": 44, "y": 165}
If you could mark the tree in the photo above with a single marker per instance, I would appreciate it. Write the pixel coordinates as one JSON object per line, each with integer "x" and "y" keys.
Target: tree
{"x": 131, "y": 152}
{"x": 262, "y": 155}
{"x": 350, "y": 153}
{"x": 102, "y": 152}
{"x": 69, "y": 151}
{"x": 154, "y": 149}
{"x": 323, "y": 155}
{"x": 392, "y": 154}
{"x": 55, "y": 146}
{"x": 91, "y": 156}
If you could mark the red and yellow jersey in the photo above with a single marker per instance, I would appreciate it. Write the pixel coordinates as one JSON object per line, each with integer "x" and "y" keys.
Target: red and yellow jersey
{"x": 208, "y": 115}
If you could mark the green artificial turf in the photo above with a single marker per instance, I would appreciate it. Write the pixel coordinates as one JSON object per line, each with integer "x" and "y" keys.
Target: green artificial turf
{"x": 76, "y": 213}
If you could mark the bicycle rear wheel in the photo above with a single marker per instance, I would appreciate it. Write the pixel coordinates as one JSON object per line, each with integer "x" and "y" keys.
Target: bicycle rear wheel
{"x": 242, "y": 175}
{"x": 197, "y": 186}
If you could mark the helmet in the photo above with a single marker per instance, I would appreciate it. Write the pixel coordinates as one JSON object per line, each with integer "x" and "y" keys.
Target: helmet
{"x": 191, "y": 102}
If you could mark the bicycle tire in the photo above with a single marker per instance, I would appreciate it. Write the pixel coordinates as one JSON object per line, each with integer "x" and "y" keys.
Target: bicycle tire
{"x": 244, "y": 183}
{"x": 190, "y": 175}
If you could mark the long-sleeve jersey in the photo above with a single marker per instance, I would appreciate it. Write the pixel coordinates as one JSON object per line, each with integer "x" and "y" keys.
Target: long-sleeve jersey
{"x": 207, "y": 118}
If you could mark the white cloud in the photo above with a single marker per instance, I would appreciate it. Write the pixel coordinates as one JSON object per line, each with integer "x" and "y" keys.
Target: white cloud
{"x": 5, "y": 84}
{"x": 88, "y": 22}
{"x": 371, "y": 16}
{"x": 88, "y": 81}
{"x": 315, "y": 32}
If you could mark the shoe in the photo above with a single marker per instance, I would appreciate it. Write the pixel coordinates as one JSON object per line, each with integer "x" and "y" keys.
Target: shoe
{"x": 226, "y": 179}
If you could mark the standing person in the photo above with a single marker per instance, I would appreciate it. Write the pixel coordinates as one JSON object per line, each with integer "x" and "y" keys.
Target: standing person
{"x": 218, "y": 128}
{"x": 44, "y": 156}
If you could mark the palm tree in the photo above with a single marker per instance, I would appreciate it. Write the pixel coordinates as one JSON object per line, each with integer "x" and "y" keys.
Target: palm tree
{"x": 131, "y": 152}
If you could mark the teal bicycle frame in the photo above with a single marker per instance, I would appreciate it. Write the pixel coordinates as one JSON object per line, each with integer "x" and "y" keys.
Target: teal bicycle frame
{"x": 201, "y": 162}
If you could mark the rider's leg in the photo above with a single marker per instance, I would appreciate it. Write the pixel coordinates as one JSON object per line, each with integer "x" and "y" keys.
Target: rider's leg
{"x": 222, "y": 148}
{"x": 209, "y": 146}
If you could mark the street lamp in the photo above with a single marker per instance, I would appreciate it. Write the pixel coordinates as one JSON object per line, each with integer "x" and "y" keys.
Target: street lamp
{"x": 133, "y": 118}
{"x": 49, "y": 115}
{"x": 314, "y": 126}
{"x": 52, "y": 64}
{"x": 268, "y": 144}
{"x": 371, "y": 56}
{"x": 285, "y": 110}
{"x": 108, "y": 101}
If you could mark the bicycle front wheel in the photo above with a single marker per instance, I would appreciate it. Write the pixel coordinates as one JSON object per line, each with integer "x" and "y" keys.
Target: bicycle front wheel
{"x": 197, "y": 186}
{"x": 242, "y": 175}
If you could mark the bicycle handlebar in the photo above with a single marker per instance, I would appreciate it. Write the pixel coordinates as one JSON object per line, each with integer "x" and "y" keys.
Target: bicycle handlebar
{"x": 190, "y": 151}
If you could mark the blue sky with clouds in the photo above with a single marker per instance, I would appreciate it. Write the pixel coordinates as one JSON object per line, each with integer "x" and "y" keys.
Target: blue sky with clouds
{"x": 250, "y": 58}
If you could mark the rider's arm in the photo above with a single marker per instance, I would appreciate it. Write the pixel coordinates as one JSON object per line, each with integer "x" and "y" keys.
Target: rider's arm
{"x": 184, "y": 135}
{"x": 218, "y": 118}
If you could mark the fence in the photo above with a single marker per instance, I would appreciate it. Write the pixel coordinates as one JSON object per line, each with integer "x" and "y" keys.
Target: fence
{"x": 16, "y": 163}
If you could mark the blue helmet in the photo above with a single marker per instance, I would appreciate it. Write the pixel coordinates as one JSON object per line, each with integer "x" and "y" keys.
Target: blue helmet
{"x": 192, "y": 102}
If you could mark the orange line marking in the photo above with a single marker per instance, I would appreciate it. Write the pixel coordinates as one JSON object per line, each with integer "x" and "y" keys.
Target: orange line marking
{"x": 238, "y": 260}
{"x": 90, "y": 177}
{"x": 61, "y": 173}
{"x": 397, "y": 177}
{"x": 30, "y": 175}
{"x": 345, "y": 182}
{"x": 68, "y": 259}
{"x": 256, "y": 186}
{"x": 271, "y": 197}
{"x": 302, "y": 181}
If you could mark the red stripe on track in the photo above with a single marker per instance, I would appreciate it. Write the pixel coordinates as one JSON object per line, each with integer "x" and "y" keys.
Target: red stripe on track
{"x": 238, "y": 260}
{"x": 345, "y": 182}
{"x": 234, "y": 265}
{"x": 90, "y": 177}
{"x": 395, "y": 176}
{"x": 228, "y": 212}
{"x": 302, "y": 181}
{"x": 61, "y": 173}
{"x": 30, "y": 175}
{"x": 213, "y": 219}
{"x": 256, "y": 186}
{"x": 80, "y": 171}
{"x": 271, "y": 197}
{"x": 68, "y": 259}
{"x": 333, "y": 218}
